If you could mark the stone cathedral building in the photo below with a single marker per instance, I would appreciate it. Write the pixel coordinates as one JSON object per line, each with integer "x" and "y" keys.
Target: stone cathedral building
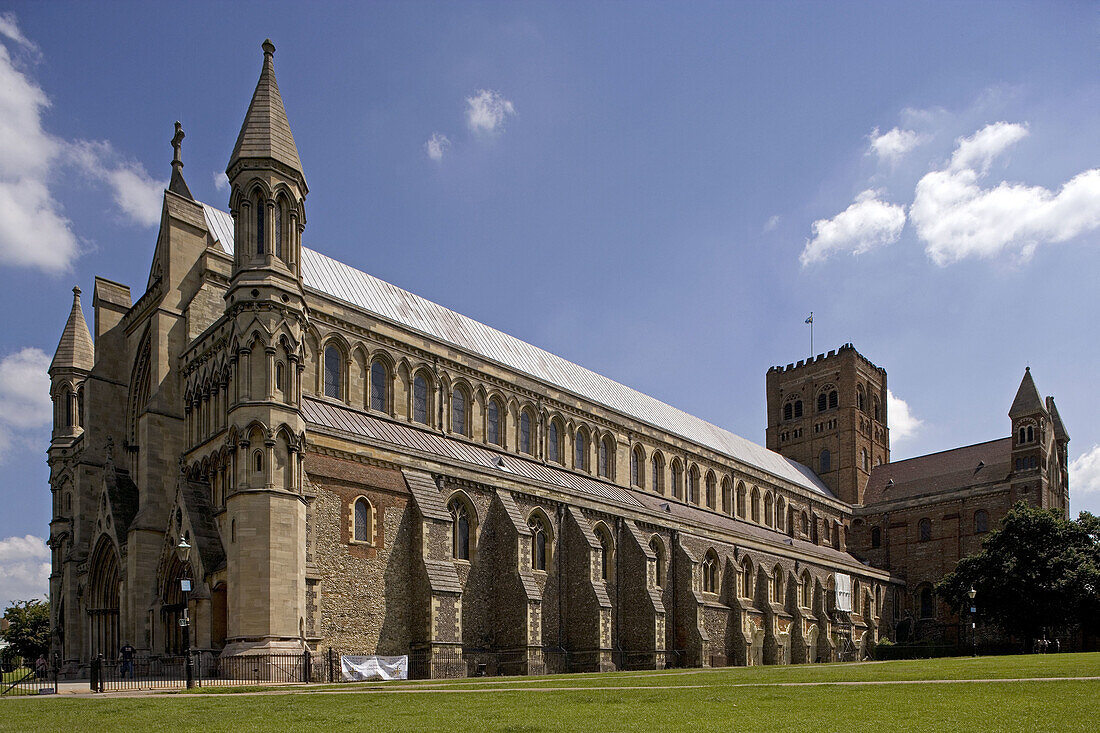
{"x": 360, "y": 468}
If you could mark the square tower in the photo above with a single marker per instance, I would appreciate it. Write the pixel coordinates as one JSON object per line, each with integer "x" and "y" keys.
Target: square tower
{"x": 829, "y": 413}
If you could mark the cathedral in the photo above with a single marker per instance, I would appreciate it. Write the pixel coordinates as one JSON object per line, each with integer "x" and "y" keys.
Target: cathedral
{"x": 356, "y": 467}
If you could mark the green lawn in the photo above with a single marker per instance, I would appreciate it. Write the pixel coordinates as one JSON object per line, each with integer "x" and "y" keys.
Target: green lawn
{"x": 9, "y": 677}
{"x": 707, "y": 700}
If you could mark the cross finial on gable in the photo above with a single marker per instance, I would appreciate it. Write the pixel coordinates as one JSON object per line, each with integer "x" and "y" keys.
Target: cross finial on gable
{"x": 177, "y": 145}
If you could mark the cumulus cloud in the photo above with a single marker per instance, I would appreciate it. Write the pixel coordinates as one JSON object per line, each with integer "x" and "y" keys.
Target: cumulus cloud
{"x": 903, "y": 424}
{"x": 437, "y": 145}
{"x": 956, "y": 218}
{"x": 486, "y": 111}
{"x": 894, "y": 145}
{"x": 34, "y": 231}
{"x": 25, "y": 405}
{"x": 24, "y": 569}
{"x": 868, "y": 223}
{"x": 1084, "y": 472}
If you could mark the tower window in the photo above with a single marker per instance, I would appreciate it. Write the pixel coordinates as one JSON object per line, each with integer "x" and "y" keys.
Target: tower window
{"x": 833, "y": 400}
{"x": 876, "y": 537}
{"x": 261, "y": 213}
{"x": 1030, "y": 433}
{"x": 788, "y": 411}
{"x": 278, "y": 233}
{"x": 279, "y": 376}
{"x": 826, "y": 461}
{"x": 925, "y": 529}
{"x": 798, "y": 408}
{"x": 822, "y": 402}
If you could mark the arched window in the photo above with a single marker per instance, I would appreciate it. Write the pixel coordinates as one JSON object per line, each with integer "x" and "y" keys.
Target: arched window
{"x": 755, "y": 505}
{"x": 727, "y": 496}
{"x": 67, "y": 398}
{"x": 540, "y": 547}
{"x": 1030, "y": 433}
{"x": 925, "y": 528}
{"x": 742, "y": 501}
{"x": 364, "y": 520}
{"x": 258, "y": 462}
{"x": 657, "y": 468}
{"x": 637, "y": 476}
{"x": 379, "y": 381}
{"x": 797, "y": 409}
{"x": 607, "y": 550}
{"x": 826, "y": 461}
{"x": 493, "y": 417}
{"x": 712, "y": 491}
{"x": 334, "y": 373}
{"x": 525, "y": 432}
{"x": 553, "y": 443}
{"x": 607, "y": 455}
{"x": 769, "y": 510}
{"x": 710, "y": 572}
{"x": 80, "y": 407}
{"x": 677, "y": 478}
{"x": 692, "y": 495}
{"x": 780, "y": 513}
{"x": 822, "y": 402}
{"x": 859, "y": 397}
{"x": 863, "y": 460}
{"x": 746, "y": 579}
{"x": 261, "y": 215}
{"x": 277, "y": 235}
{"x": 806, "y": 594}
{"x": 877, "y": 411}
{"x": 461, "y": 537}
{"x": 777, "y": 585}
{"x": 1023, "y": 436}
{"x": 833, "y": 401}
{"x": 788, "y": 411}
{"x": 280, "y": 376}
{"x": 876, "y": 537}
{"x": 458, "y": 411}
{"x": 580, "y": 450}
{"x": 927, "y": 607}
{"x": 805, "y": 523}
{"x": 658, "y": 548}
{"x": 420, "y": 399}
{"x": 981, "y": 521}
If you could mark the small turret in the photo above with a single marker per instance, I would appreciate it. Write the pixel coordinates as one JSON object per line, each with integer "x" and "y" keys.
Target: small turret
{"x": 72, "y": 361}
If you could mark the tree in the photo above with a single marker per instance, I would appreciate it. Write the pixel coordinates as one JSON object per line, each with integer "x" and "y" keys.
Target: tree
{"x": 1038, "y": 571}
{"x": 28, "y": 628}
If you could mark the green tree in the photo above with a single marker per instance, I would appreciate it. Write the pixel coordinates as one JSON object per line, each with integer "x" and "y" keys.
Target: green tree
{"x": 1038, "y": 571}
{"x": 28, "y": 629}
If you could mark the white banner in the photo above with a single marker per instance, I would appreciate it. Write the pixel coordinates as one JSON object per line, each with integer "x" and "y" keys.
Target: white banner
{"x": 843, "y": 592}
{"x": 361, "y": 669}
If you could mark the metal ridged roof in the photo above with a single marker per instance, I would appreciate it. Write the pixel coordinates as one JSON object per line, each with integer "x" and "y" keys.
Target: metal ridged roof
{"x": 378, "y": 297}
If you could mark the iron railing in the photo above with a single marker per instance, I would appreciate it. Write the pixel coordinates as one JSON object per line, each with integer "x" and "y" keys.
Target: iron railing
{"x": 42, "y": 681}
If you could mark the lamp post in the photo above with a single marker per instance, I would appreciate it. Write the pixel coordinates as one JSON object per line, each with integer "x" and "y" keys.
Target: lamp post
{"x": 184, "y": 550}
{"x": 973, "y": 626}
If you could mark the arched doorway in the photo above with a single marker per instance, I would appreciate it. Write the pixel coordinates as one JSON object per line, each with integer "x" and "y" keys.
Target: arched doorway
{"x": 103, "y": 597}
{"x": 171, "y": 608}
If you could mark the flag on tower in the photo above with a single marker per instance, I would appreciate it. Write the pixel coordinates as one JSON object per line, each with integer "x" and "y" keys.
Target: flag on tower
{"x": 811, "y": 318}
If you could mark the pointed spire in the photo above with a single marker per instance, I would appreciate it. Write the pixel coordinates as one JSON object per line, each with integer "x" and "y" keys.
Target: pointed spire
{"x": 178, "y": 185}
{"x": 75, "y": 350}
{"x": 266, "y": 130}
{"x": 1027, "y": 400}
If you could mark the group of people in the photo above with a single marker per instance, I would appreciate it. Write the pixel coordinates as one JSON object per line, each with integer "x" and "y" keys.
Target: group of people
{"x": 1045, "y": 646}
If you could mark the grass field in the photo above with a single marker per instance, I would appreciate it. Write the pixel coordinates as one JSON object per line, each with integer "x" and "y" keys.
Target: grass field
{"x": 9, "y": 677}
{"x": 760, "y": 698}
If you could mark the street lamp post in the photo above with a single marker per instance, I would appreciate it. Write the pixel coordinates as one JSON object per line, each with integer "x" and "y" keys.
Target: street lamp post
{"x": 973, "y": 625}
{"x": 184, "y": 550}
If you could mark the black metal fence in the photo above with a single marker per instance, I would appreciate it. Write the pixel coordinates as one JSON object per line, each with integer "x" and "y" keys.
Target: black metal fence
{"x": 25, "y": 681}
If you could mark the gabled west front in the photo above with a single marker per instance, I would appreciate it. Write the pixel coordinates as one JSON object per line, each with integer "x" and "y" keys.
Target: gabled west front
{"x": 359, "y": 468}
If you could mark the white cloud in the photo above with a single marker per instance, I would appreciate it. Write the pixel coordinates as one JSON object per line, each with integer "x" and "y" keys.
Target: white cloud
{"x": 487, "y": 110}
{"x": 868, "y": 223}
{"x": 892, "y": 146}
{"x": 437, "y": 145}
{"x": 1084, "y": 472}
{"x": 33, "y": 230}
{"x": 771, "y": 223}
{"x": 903, "y": 424}
{"x": 137, "y": 195}
{"x": 956, "y": 218}
{"x": 221, "y": 181}
{"x": 25, "y": 405}
{"x": 9, "y": 28}
{"x": 24, "y": 569}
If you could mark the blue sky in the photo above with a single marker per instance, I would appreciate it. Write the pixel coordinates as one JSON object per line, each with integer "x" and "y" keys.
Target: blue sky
{"x": 660, "y": 192}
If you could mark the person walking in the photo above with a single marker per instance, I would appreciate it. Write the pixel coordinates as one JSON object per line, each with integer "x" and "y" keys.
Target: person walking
{"x": 126, "y": 653}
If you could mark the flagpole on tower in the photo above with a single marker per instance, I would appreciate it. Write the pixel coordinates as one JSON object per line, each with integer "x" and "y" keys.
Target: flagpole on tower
{"x": 810, "y": 321}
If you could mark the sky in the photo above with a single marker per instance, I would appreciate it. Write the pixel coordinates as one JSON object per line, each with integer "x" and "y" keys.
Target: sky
{"x": 660, "y": 192}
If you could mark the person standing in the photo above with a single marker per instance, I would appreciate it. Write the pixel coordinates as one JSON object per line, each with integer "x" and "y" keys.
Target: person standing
{"x": 126, "y": 653}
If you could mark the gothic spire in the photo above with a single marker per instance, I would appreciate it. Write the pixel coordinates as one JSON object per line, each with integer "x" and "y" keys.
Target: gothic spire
{"x": 178, "y": 185}
{"x": 265, "y": 134}
{"x": 75, "y": 350}
{"x": 1027, "y": 400}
